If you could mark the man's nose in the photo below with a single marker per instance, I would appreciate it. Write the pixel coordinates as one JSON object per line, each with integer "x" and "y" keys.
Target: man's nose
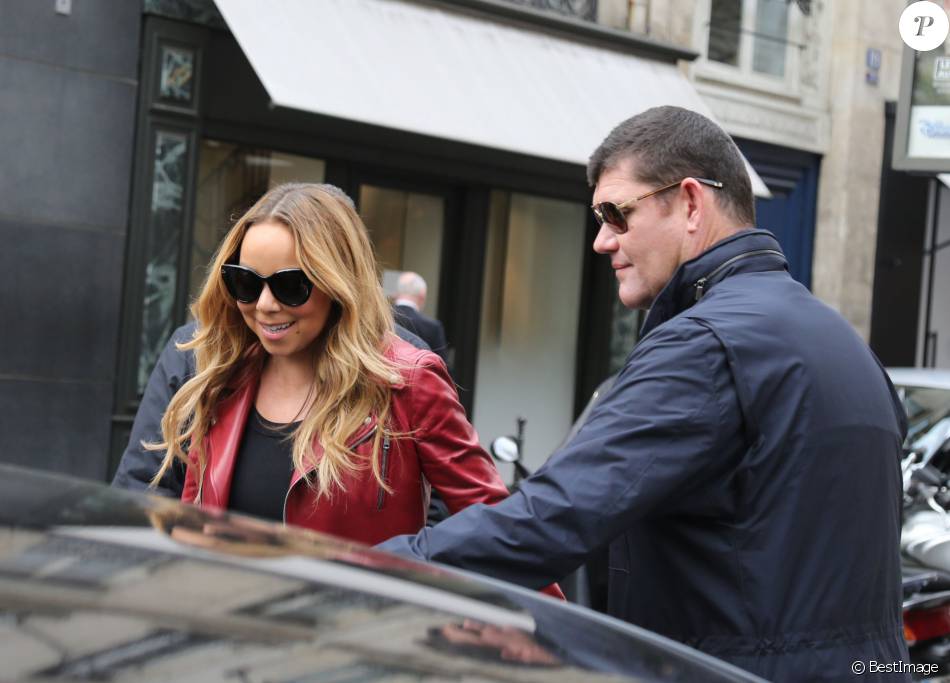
{"x": 606, "y": 240}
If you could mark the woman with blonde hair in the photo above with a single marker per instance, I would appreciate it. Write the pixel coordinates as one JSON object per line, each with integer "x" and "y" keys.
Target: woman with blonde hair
{"x": 305, "y": 406}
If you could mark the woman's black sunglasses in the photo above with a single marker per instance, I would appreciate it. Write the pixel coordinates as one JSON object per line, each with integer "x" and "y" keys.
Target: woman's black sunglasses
{"x": 290, "y": 287}
{"x": 615, "y": 215}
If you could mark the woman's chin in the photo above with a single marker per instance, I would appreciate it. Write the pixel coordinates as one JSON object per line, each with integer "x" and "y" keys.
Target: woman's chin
{"x": 275, "y": 348}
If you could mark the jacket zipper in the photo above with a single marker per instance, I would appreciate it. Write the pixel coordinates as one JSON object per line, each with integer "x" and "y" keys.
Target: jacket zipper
{"x": 363, "y": 439}
{"x": 383, "y": 467}
{"x": 700, "y": 284}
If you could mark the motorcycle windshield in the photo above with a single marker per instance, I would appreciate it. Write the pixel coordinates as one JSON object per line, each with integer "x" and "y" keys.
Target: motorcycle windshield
{"x": 925, "y": 407}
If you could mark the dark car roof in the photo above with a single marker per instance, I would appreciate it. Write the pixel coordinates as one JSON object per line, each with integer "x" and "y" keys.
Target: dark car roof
{"x": 107, "y": 585}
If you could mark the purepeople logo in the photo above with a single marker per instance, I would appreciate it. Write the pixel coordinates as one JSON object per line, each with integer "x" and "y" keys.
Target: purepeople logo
{"x": 924, "y": 25}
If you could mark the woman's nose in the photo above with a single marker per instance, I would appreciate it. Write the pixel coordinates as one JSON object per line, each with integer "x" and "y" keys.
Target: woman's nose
{"x": 266, "y": 301}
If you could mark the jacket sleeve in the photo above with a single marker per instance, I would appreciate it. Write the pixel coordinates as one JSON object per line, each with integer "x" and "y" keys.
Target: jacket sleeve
{"x": 667, "y": 432}
{"x": 138, "y": 466}
{"x": 458, "y": 468}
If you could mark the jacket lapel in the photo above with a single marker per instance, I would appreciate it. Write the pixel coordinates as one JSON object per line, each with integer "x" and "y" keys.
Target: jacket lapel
{"x": 363, "y": 433}
{"x": 224, "y": 440}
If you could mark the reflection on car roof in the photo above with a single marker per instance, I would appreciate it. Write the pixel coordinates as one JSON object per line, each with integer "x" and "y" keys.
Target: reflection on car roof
{"x": 106, "y": 585}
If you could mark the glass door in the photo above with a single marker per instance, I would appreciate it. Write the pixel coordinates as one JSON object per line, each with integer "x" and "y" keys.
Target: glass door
{"x": 531, "y": 303}
{"x": 406, "y": 228}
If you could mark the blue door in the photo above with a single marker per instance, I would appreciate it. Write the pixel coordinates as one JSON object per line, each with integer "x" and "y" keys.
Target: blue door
{"x": 792, "y": 178}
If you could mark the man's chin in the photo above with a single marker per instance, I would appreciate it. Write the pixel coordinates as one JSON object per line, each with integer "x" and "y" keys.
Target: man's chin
{"x": 634, "y": 299}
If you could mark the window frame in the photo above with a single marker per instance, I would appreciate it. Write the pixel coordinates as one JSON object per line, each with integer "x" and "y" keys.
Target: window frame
{"x": 744, "y": 75}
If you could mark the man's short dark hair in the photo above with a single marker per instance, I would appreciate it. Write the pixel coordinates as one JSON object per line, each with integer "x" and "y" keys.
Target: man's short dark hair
{"x": 671, "y": 143}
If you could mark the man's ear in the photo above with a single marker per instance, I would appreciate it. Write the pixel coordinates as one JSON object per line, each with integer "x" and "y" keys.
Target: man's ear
{"x": 695, "y": 204}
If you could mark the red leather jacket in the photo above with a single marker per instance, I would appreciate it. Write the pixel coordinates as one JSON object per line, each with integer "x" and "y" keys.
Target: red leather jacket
{"x": 443, "y": 450}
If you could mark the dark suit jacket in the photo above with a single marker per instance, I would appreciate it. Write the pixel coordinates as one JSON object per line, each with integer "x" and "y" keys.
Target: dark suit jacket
{"x": 429, "y": 329}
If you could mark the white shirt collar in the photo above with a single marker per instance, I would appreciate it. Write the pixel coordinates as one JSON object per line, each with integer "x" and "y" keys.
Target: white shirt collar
{"x": 407, "y": 302}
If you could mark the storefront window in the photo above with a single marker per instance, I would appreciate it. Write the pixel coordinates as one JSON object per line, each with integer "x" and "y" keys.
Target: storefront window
{"x": 406, "y": 229}
{"x": 529, "y": 321}
{"x": 580, "y": 9}
{"x": 162, "y": 247}
{"x": 624, "y": 333}
{"x": 230, "y": 179}
{"x": 177, "y": 76}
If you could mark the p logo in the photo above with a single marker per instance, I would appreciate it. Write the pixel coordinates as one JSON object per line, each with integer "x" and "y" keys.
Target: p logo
{"x": 924, "y": 25}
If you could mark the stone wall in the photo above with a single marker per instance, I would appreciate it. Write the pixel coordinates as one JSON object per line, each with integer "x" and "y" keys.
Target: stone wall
{"x": 68, "y": 86}
{"x": 849, "y": 186}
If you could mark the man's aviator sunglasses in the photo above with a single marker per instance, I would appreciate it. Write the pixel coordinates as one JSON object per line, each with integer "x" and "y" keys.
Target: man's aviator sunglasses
{"x": 615, "y": 215}
{"x": 290, "y": 287}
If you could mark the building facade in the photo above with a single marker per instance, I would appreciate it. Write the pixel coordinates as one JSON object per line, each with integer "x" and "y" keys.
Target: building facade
{"x": 140, "y": 135}
{"x": 68, "y": 89}
{"x": 803, "y": 88}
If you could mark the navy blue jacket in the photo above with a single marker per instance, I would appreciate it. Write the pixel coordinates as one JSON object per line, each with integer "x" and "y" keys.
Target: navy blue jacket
{"x": 744, "y": 469}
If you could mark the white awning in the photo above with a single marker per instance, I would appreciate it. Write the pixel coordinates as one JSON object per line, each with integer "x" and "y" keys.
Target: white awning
{"x": 452, "y": 75}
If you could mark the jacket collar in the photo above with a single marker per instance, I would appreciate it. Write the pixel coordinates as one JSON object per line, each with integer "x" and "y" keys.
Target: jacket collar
{"x": 747, "y": 251}
{"x": 224, "y": 438}
{"x": 224, "y": 442}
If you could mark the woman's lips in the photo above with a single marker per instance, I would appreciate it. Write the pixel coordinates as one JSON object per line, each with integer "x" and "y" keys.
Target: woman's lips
{"x": 270, "y": 333}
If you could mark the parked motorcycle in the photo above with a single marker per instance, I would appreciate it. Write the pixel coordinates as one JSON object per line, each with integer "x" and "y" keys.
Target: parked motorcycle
{"x": 509, "y": 449}
{"x": 925, "y": 547}
{"x": 588, "y": 585}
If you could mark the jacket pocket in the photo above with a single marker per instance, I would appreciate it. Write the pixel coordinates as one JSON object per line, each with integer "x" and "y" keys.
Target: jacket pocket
{"x": 383, "y": 471}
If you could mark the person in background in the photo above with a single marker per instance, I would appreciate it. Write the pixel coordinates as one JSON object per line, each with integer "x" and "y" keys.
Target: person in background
{"x": 744, "y": 467}
{"x": 407, "y": 311}
{"x": 305, "y": 406}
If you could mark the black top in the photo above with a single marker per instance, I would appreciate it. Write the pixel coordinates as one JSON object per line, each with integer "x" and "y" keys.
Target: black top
{"x": 263, "y": 468}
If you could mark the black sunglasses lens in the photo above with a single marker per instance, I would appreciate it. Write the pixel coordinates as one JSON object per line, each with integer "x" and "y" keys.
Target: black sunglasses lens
{"x": 290, "y": 287}
{"x": 243, "y": 285}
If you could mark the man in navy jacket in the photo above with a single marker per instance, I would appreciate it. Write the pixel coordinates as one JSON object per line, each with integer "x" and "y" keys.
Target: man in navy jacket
{"x": 744, "y": 467}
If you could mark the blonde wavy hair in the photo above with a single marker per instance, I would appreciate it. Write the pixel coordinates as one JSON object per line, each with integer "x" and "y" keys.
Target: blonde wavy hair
{"x": 353, "y": 378}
